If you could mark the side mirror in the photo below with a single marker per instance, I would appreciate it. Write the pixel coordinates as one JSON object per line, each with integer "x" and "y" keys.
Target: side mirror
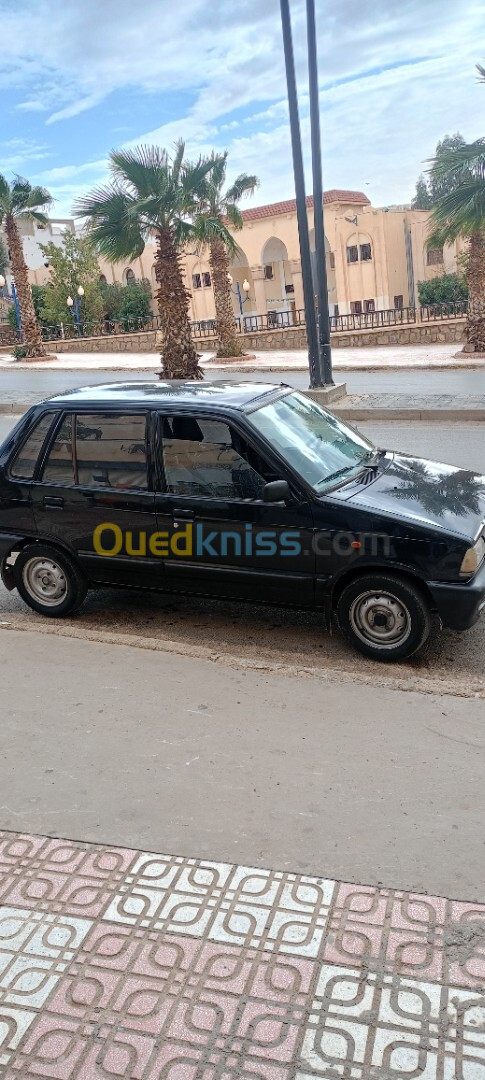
{"x": 275, "y": 492}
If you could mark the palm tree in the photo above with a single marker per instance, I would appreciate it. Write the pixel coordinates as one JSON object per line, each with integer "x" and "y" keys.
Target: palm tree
{"x": 217, "y": 210}
{"x": 152, "y": 195}
{"x": 19, "y": 201}
{"x": 461, "y": 212}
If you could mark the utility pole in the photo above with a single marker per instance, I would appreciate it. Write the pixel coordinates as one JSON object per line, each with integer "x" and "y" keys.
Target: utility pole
{"x": 316, "y": 373}
{"x": 324, "y": 347}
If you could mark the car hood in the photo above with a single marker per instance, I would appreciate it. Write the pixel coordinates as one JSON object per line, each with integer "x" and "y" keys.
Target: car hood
{"x": 423, "y": 492}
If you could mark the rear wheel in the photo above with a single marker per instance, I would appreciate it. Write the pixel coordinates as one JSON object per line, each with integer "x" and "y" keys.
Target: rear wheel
{"x": 49, "y": 581}
{"x": 384, "y": 617}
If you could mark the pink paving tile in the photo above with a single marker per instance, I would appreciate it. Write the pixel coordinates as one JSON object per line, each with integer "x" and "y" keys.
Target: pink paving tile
{"x": 268, "y": 1031}
{"x": 410, "y": 955}
{"x": 204, "y": 1022}
{"x": 282, "y": 978}
{"x": 52, "y": 1048}
{"x": 361, "y": 903}
{"x": 412, "y": 912}
{"x": 109, "y": 947}
{"x": 173, "y": 1062}
{"x": 166, "y": 957}
{"x": 83, "y": 995}
{"x": 122, "y": 1055}
{"x": 353, "y": 945}
{"x": 142, "y": 1005}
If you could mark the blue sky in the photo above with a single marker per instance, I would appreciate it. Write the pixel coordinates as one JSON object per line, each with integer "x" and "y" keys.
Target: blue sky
{"x": 79, "y": 79}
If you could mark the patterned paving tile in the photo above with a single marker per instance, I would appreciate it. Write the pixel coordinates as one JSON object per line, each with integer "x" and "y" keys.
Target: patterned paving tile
{"x": 367, "y": 1026}
{"x": 121, "y": 964}
{"x": 237, "y": 905}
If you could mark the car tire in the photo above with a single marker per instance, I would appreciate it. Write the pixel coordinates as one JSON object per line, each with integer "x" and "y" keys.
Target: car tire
{"x": 384, "y": 617}
{"x": 49, "y": 581}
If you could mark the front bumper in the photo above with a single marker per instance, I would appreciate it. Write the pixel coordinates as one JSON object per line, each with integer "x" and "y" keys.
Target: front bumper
{"x": 459, "y": 606}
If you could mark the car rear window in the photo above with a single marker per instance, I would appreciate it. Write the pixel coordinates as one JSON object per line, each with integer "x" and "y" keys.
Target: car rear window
{"x": 24, "y": 462}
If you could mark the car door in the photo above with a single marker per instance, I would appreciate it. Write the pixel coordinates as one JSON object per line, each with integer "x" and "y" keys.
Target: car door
{"x": 223, "y": 540}
{"x": 94, "y": 495}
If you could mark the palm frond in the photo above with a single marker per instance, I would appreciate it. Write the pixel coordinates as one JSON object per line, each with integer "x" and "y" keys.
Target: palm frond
{"x": 39, "y": 198}
{"x": 208, "y": 228}
{"x": 142, "y": 168}
{"x": 5, "y": 197}
{"x": 243, "y": 185}
{"x": 115, "y": 230}
{"x": 234, "y": 216}
{"x": 35, "y": 215}
{"x": 481, "y": 72}
{"x": 466, "y": 159}
{"x": 461, "y": 211}
{"x": 20, "y": 190}
{"x": 177, "y": 161}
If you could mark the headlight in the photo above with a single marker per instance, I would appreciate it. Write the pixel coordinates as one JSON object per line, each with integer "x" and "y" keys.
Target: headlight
{"x": 473, "y": 558}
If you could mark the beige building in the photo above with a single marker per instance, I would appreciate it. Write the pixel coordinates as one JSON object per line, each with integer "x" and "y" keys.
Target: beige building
{"x": 375, "y": 258}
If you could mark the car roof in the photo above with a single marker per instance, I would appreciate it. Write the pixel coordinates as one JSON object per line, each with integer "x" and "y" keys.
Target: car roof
{"x": 233, "y": 395}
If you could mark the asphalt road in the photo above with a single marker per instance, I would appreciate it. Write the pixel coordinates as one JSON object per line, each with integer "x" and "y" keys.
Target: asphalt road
{"x": 460, "y": 382}
{"x": 181, "y": 755}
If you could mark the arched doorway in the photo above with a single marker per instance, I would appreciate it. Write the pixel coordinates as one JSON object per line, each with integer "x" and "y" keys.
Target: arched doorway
{"x": 277, "y": 274}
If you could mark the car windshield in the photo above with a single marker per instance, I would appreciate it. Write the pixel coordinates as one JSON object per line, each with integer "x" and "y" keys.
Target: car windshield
{"x": 316, "y": 444}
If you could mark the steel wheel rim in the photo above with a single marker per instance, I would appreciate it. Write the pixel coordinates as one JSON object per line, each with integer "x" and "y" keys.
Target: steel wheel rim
{"x": 380, "y": 619}
{"x": 45, "y": 581}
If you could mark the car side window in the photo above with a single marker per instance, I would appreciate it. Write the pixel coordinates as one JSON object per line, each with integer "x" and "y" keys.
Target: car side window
{"x": 59, "y": 468}
{"x": 99, "y": 450}
{"x": 111, "y": 451}
{"x": 25, "y": 460}
{"x": 208, "y": 459}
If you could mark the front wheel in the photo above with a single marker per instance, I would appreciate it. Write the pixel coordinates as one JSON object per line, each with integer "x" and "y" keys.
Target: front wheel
{"x": 384, "y": 617}
{"x": 49, "y": 581}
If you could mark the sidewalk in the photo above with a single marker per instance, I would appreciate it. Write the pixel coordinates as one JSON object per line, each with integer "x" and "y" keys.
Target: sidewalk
{"x": 140, "y": 966}
{"x": 378, "y": 358}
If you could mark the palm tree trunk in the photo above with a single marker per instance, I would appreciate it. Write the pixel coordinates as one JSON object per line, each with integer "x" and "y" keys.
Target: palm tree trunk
{"x": 32, "y": 337}
{"x": 179, "y": 356}
{"x": 229, "y": 343}
{"x": 475, "y": 327}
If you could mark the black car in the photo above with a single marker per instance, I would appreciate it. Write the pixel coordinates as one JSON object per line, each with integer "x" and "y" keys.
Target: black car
{"x": 247, "y": 491}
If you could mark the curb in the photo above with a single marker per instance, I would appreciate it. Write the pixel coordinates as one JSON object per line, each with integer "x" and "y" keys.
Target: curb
{"x": 432, "y": 415}
{"x": 410, "y": 683}
{"x": 14, "y": 408}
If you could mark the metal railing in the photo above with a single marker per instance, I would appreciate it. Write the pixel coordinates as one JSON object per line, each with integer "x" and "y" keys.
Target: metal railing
{"x": 249, "y": 324}
{"x": 455, "y": 309}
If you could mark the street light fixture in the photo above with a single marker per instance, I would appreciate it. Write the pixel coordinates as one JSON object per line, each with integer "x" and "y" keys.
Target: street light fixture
{"x": 75, "y": 304}
{"x": 12, "y": 299}
{"x": 237, "y": 291}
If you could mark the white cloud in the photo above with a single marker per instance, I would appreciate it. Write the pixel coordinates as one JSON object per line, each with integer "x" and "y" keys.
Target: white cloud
{"x": 394, "y": 79}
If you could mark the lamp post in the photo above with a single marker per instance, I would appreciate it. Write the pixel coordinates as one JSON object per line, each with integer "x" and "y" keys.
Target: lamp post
{"x": 75, "y": 304}
{"x": 237, "y": 291}
{"x": 12, "y": 299}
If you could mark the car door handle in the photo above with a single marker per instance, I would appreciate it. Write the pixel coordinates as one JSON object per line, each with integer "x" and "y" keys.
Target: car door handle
{"x": 183, "y": 515}
{"x": 52, "y": 502}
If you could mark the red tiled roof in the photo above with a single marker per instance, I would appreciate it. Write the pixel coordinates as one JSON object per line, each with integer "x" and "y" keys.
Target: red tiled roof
{"x": 351, "y": 198}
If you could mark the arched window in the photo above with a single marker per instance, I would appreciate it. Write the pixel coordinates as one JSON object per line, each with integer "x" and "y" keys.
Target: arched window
{"x": 102, "y": 279}
{"x": 129, "y": 277}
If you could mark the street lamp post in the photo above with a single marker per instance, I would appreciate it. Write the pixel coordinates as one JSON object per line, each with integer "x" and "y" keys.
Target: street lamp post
{"x": 13, "y": 299}
{"x": 75, "y": 304}
{"x": 237, "y": 292}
